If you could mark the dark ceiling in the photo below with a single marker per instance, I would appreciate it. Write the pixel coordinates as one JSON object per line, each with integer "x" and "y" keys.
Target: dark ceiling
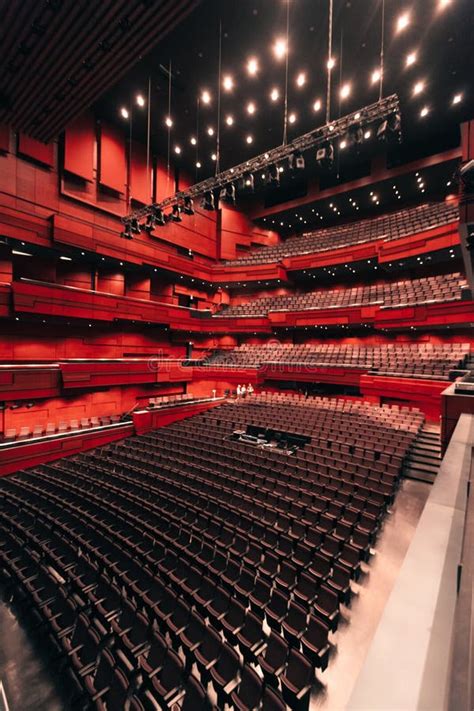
{"x": 439, "y": 35}
{"x": 58, "y": 56}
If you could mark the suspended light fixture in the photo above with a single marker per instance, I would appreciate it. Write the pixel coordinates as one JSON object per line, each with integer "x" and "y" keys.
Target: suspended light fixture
{"x": 325, "y": 156}
{"x": 188, "y": 207}
{"x": 135, "y": 226}
{"x": 208, "y": 202}
{"x": 296, "y": 161}
{"x": 176, "y": 214}
{"x": 228, "y": 194}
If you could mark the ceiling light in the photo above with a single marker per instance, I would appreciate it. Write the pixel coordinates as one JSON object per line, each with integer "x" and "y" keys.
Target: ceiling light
{"x": 208, "y": 201}
{"x": 418, "y": 88}
{"x": 176, "y": 214}
{"x": 457, "y": 98}
{"x": 376, "y": 76}
{"x": 177, "y": 149}
{"x": 66, "y": 259}
{"x": 251, "y": 108}
{"x": 345, "y": 91}
{"x": 193, "y": 141}
{"x": 188, "y": 208}
{"x": 198, "y": 164}
{"x": 228, "y": 83}
{"x": 140, "y": 100}
{"x": 124, "y": 112}
{"x": 206, "y": 97}
{"x": 317, "y": 105}
{"x": 342, "y": 145}
{"x": 367, "y": 134}
{"x": 275, "y": 94}
{"x": 252, "y": 66}
{"x": 229, "y": 120}
{"x": 169, "y": 121}
{"x": 403, "y": 21}
{"x": 301, "y": 79}
{"x": 210, "y": 131}
{"x": 331, "y": 63}
{"x": 424, "y": 111}
{"x": 249, "y": 139}
{"x": 411, "y": 59}
{"x": 21, "y": 254}
{"x": 292, "y": 118}
{"x": 279, "y": 48}
{"x": 442, "y": 4}
{"x": 213, "y": 156}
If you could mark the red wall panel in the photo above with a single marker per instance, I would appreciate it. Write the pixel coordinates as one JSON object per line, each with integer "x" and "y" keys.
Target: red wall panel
{"x": 112, "y": 160}
{"x": 140, "y": 179}
{"x": 4, "y": 138}
{"x": 79, "y": 147}
{"x": 41, "y": 152}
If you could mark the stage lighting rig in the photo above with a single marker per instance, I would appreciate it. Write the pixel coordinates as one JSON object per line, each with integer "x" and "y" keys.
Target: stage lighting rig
{"x": 386, "y": 110}
{"x": 188, "y": 207}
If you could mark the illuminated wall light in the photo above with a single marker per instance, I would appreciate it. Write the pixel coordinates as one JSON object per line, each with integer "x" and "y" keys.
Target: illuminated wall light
{"x": 345, "y": 91}
{"x": 280, "y": 48}
{"x": 411, "y": 59}
{"x": 210, "y": 131}
{"x": 228, "y": 83}
{"x": 140, "y": 100}
{"x": 124, "y": 112}
{"x": 229, "y": 120}
{"x": 375, "y": 76}
{"x": 301, "y": 79}
{"x": 206, "y": 97}
{"x": 252, "y": 66}
{"x": 457, "y": 98}
{"x": 317, "y": 105}
{"x": 169, "y": 121}
{"x": 403, "y": 21}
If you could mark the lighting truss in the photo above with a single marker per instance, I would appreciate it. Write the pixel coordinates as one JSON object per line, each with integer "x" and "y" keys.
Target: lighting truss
{"x": 374, "y": 112}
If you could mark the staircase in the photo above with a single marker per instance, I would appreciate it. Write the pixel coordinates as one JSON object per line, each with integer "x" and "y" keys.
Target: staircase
{"x": 424, "y": 458}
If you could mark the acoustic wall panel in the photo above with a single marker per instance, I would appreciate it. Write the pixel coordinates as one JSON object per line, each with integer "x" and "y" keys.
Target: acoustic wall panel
{"x": 40, "y": 152}
{"x": 79, "y": 145}
{"x": 140, "y": 178}
{"x": 112, "y": 160}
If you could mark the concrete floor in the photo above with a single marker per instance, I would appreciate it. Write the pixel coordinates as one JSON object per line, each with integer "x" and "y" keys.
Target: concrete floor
{"x": 333, "y": 688}
{"x": 29, "y": 685}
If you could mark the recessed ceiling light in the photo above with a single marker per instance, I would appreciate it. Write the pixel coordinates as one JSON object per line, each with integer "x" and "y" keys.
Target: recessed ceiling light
{"x": 140, "y": 100}
{"x": 410, "y": 59}
{"x": 292, "y": 118}
{"x": 249, "y": 139}
{"x": 229, "y": 120}
{"x": 210, "y": 131}
{"x": 457, "y": 98}
{"x": 213, "y": 156}
{"x": 124, "y": 112}
{"x": 205, "y": 97}
{"x": 424, "y": 111}
{"x": 274, "y": 94}
{"x": 375, "y": 76}
{"x": 193, "y": 141}
{"x": 331, "y": 63}
{"x": 442, "y": 4}
{"x": 169, "y": 121}
{"x": 403, "y": 21}
{"x": 367, "y": 134}
{"x": 228, "y": 83}
{"x": 252, "y": 66}
{"x": 177, "y": 150}
{"x": 418, "y": 88}
{"x": 279, "y": 48}
{"x": 301, "y": 79}
{"x": 345, "y": 91}
{"x": 342, "y": 145}
{"x": 198, "y": 164}
{"x": 317, "y": 105}
{"x": 251, "y": 108}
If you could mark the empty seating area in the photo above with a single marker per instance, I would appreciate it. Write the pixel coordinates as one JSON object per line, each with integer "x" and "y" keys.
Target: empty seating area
{"x": 434, "y": 289}
{"x": 408, "y": 360}
{"x": 51, "y": 428}
{"x": 179, "y": 567}
{"x": 387, "y": 227}
{"x": 171, "y": 400}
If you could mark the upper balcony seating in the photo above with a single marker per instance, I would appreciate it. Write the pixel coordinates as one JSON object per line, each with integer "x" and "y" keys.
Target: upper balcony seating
{"x": 388, "y": 227}
{"x": 406, "y": 360}
{"x": 434, "y": 289}
{"x": 156, "y": 565}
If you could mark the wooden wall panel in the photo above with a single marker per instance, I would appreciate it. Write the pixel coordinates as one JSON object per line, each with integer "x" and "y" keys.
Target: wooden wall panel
{"x": 31, "y": 148}
{"x": 112, "y": 159}
{"x": 79, "y": 147}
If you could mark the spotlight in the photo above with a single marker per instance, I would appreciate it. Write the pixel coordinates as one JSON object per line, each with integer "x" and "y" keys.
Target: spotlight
{"x": 280, "y": 48}
{"x": 273, "y": 176}
{"x": 208, "y": 202}
{"x": 176, "y": 214}
{"x": 317, "y": 105}
{"x": 150, "y": 223}
{"x": 140, "y": 100}
{"x": 301, "y": 79}
{"x": 376, "y": 76}
{"x": 124, "y": 112}
{"x": 169, "y": 121}
{"x": 325, "y": 156}
{"x": 135, "y": 226}
{"x": 296, "y": 161}
{"x": 355, "y": 137}
{"x": 252, "y": 66}
{"x": 159, "y": 216}
{"x": 275, "y": 94}
{"x": 292, "y": 118}
{"x": 229, "y": 120}
{"x": 206, "y": 97}
{"x": 127, "y": 231}
{"x": 228, "y": 83}
{"x": 188, "y": 207}
{"x": 390, "y": 129}
{"x": 228, "y": 194}
{"x": 193, "y": 141}
{"x": 345, "y": 91}
{"x": 331, "y": 63}
{"x": 248, "y": 182}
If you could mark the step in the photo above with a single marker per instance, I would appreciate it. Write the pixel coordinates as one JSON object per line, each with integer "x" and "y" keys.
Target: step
{"x": 419, "y": 474}
{"x": 422, "y": 466}
{"x": 423, "y": 460}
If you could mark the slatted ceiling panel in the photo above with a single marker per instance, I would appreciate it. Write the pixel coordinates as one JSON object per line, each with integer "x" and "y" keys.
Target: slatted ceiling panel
{"x": 41, "y": 152}
{"x": 140, "y": 180}
{"x": 57, "y": 58}
{"x": 79, "y": 145}
{"x": 112, "y": 159}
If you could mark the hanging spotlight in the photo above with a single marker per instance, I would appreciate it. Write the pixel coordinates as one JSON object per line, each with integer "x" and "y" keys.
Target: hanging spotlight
{"x": 150, "y": 223}
{"x": 127, "y": 231}
{"x": 325, "y": 156}
{"x": 228, "y": 194}
{"x": 390, "y": 129}
{"x": 160, "y": 219}
{"x": 296, "y": 161}
{"x": 135, "y": 226}
{"x": 273, "y": 176}
{"x": 248, "y": 183}
{"x": 176, "y": 214}
{"x": 208, "y": 202}
{"x": 355, "y": 137}
{"x": 188, "y": 207}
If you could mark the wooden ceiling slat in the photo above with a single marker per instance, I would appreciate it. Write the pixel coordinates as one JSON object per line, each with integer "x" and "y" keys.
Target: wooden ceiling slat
{"x": 73, "y": 34}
